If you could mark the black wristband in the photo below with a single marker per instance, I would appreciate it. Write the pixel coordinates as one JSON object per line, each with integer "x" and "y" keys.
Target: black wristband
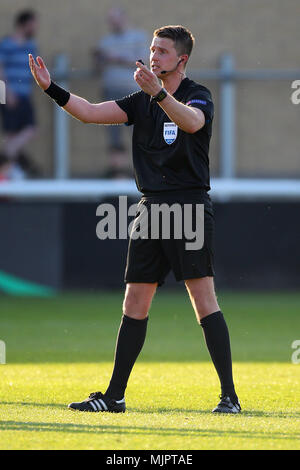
{"x": 161, "y": 95}
{"x": 58, "y": 94}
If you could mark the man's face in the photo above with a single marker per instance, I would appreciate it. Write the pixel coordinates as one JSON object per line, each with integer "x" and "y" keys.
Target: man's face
{"x": 30, "y": 29}
{"x": 163, "y": 55}
{"x": 117, "y": 20}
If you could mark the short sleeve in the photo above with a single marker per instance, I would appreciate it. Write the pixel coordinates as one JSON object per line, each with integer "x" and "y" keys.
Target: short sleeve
{"x": 201, "y": 99}
{"x": 129, "y": 105}
{"x": 102, "y": 43}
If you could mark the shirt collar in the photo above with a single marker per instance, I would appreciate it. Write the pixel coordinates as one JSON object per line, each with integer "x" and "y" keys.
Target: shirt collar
{"x": 182, "y": 85}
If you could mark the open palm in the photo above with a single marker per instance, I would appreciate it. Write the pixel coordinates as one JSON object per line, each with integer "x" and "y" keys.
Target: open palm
{"x": 40, "y": 72}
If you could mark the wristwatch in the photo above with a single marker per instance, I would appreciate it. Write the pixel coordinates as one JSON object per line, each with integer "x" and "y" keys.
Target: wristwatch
{"x": 161, "y": 95}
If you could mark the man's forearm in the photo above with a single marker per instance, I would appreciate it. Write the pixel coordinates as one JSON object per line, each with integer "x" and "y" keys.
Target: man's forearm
{"x": 103, "y": 113}
{"x": 79, "y": 108}
{"x": 188, "y": 119}
{"x": 107, "y": 112}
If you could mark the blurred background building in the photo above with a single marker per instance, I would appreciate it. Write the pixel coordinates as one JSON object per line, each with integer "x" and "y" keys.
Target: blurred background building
{"x": 259, "y": 35}
{"x": 246, "y": 52}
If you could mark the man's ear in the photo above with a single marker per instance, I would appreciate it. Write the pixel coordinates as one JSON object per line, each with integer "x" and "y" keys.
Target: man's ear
{"x": 184, "y": 58}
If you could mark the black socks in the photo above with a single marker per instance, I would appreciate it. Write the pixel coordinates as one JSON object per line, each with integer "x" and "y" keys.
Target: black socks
{"x": 217, "y": 340}
{"x": 131, "y": 338}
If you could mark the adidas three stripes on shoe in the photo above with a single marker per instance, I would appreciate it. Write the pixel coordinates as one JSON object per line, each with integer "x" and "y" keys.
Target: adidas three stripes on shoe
{"x": 97, "y": 402}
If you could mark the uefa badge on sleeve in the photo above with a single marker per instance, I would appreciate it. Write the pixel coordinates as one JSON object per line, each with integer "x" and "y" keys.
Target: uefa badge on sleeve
{"x": 170, "y": 132}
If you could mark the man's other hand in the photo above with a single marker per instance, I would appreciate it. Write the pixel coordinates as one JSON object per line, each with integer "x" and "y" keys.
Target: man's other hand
{"x": 39, "y": 72}
{"x": 147, "y": 80}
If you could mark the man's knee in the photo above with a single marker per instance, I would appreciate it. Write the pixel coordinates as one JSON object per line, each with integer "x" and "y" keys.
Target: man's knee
{"x": 137, "y": 300}
{"x": 204, "y": 307}
{"x": 203, "y": 297}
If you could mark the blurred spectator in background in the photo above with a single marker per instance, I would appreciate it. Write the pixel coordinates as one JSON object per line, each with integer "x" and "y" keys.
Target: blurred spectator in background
{"x": 115, "y": 58}
{"x": 4, "y": 168}
{"x": 18, "y": 120}
{"x": 118, "y": 165}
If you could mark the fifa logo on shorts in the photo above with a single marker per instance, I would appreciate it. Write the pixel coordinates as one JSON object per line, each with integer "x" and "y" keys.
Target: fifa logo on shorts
{"x": 295, "y": 96}
{"x": 2, "y": 92}
{"x": 2, "y": 352}
{"x": 296, "y": 354}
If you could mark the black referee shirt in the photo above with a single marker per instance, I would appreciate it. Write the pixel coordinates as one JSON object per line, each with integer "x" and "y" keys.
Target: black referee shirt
{"x": 165, "y": 158}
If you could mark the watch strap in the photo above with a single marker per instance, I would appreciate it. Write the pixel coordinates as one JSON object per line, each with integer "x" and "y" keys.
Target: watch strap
{"x": 162, "y": 94}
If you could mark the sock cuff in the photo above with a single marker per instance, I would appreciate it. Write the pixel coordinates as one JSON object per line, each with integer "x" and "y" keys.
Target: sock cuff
{"x": 211, "y": 318}
{"x": 133, "y": 321}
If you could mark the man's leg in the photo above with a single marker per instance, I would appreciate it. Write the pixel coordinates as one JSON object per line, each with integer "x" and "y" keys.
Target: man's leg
{"x": 209, "y": 316}
{"x": 14, "y": 142}
{"x": 130, "y": 341}
{"x": 131, "y": 335}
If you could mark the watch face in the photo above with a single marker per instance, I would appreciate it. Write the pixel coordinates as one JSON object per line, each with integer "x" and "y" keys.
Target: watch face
{"x": 161, "y": 95}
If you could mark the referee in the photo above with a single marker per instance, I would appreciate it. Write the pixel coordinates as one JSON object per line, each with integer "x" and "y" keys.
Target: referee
{"x": 172, "y": 118}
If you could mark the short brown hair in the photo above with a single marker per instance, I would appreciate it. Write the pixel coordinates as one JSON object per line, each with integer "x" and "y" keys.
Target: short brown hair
{"x": 24, "y": 17}
{"x": 182, "y": 37}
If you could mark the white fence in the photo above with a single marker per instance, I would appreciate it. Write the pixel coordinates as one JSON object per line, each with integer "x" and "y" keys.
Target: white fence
{"x": 223, "y": 189}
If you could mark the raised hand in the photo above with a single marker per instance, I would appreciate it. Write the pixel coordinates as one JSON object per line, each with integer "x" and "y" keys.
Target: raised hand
{"x": 146, "y": 79}
{"x": 39, "y": 72}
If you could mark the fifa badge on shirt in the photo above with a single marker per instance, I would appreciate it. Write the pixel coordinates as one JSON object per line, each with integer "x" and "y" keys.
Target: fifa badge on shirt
{"x": 170, "y": 132}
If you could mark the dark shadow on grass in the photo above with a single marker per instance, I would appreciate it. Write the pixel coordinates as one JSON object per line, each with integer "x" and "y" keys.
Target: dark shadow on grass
{"x": 282, "y": 359}
{"x": 272, "y": 414}
{"x": 245, "y": 413}
{"x": 43, "y": 405}
{"x": 139, "y": 430}
{"x": 254, "y": 413}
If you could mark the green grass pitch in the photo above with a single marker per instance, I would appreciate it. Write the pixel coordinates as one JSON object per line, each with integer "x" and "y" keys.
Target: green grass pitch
{"x": 61, "y": 349}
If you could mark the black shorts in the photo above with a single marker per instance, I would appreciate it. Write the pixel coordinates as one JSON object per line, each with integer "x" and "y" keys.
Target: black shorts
{"x": 19, "y": 117}
{"x": 150, "y": 260}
